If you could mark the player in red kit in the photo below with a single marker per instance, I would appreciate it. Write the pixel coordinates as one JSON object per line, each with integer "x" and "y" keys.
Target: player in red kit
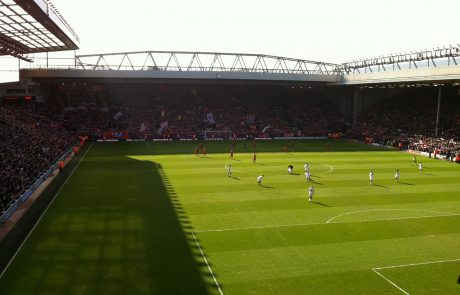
{"x": 231, "y": 154}
{"x": 254, "y": 158}
{"x": 196, "y": 151}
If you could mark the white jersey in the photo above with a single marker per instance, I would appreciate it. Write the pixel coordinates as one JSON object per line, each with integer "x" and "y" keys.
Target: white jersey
{"x": 289, "y": 170}
{"x": 307, "y": 175}
{"x": 420, "y": 167}
{"x": 259, "y": 179}
{"x": 311, "y": 192}
{"x": 397, "y": 175}
{"x": 371, "y": 176}
{"x": 229, "y": 169}
{"x": 306, "y": 167}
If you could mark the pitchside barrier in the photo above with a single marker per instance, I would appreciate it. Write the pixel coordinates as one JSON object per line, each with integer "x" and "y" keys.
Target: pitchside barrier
{"x": 31, "y": 189}
{"x": 215, "y": 139}
{"x": 302, "y": 137}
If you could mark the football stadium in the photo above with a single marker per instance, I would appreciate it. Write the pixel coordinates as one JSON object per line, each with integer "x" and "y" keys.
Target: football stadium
{"x": 191, "y": 172}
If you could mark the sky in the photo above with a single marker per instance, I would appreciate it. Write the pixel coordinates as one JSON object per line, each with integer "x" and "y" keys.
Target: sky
{"x": 327, "y": 30}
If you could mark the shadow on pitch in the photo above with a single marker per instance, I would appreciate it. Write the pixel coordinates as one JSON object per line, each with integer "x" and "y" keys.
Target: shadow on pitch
{"x": 430, "y": 174}
{"x": 319, "y": 203}
{"x": 382, "y": 186}
{"x": 265, "y": 186}
{"x": 175, "y": 263}
{"x": 406, "y": 183}
{"x": 315, "y": 182}
{"x": 133, "y": 241}
{"x": 233, "y": 177}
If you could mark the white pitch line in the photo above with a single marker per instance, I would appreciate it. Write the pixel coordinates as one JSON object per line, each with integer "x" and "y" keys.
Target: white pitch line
{"x": 388, "y": 280}
{"x": 375, "y": 269}
{"x": 330, "y": 168}
{"x": 254, "y": 227}
{"x": 320, "y": 223}
{"x": 415, "y": 264}
{"x": 209, "y": 267}
{"x": 371, "y": 210}
{"x": 43, "y": 214}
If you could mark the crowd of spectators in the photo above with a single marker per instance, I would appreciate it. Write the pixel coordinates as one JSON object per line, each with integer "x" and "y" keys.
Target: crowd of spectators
{"x": 437, "y": 147}
{"x": 30, "y": 142}
{"x": 187, "y": 114}
{"x": 397, "y": 116}
{"x": 410, "y": 123}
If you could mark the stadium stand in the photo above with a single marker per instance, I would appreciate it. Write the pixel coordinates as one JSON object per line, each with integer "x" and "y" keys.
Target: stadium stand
{"x": 409, "y": 123}
{"x": 187, "y": 112}
{"x": 30, "y": 143}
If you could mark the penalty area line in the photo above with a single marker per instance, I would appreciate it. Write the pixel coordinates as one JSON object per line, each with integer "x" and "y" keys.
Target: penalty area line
{"x": 44, "y": 212}
{"x": 376, "y": 270}
{"x": 415, "y": 264}
{"x": 207, "y": 264}
{"x": 389, "y": 281}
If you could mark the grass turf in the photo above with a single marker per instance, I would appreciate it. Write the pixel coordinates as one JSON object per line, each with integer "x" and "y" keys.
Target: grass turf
{"x": 134, "y": 218}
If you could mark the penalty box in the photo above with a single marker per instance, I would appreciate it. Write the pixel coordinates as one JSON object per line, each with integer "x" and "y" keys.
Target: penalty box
{"x": 433, "y": 277}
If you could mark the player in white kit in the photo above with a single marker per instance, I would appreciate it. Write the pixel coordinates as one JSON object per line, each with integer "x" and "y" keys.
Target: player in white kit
{"x": 307, "y": 175}
{"x": 229, "y": 170}
{"x": 371, "y": 177}
{"x": 311, "y": 192}
{"x": 259, "y": 179}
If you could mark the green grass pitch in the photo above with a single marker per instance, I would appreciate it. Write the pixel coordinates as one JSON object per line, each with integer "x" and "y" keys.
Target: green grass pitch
{"x": 152, "y": 218}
